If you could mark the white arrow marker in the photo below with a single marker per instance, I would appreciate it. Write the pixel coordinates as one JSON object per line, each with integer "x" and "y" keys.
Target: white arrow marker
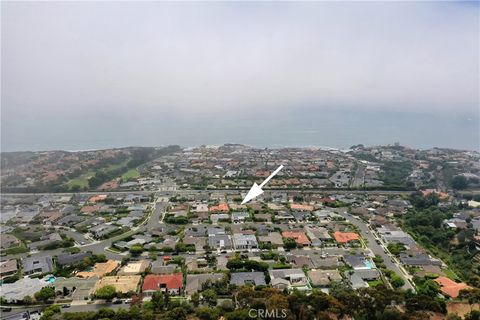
{"x": 256, "y": 189}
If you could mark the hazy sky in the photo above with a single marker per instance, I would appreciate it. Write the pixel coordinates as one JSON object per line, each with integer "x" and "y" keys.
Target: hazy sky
{"x": 79, "y": 75}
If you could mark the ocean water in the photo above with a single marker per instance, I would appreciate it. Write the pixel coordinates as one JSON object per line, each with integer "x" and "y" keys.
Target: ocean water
{"x": 304, "y": 127}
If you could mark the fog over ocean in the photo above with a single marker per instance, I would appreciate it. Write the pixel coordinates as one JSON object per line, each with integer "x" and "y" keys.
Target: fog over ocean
{"x": 304, "y": 127}
{"x": 92, "y": 75}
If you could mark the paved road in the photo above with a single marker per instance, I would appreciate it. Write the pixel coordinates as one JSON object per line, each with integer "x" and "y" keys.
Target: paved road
{"x": 229, "y": 191}
{"x": 152, "y": 222}
{"x": 359, "y": 178}
{"x": 78, "y": 237}
{"x": 375, "y": 247}
{"x": 157, "y": 216}
{"x": 94, "y": 307}
{"x": 16, "y": 313}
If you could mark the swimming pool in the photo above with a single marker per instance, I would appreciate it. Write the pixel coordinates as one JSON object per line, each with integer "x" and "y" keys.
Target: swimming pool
{"x": 50, "y": 279}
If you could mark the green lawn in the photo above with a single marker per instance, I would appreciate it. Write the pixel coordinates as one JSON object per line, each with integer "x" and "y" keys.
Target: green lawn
{"x": 130, "y": 174}
{"x": 450, "y": 274}
{"x": 117, "y": 166}
{"x": 82, "y": 180}
{"x": 375, "y": 283}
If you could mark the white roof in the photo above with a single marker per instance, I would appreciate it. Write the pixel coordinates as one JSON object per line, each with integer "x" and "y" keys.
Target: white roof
{"x": 22, "y": 288}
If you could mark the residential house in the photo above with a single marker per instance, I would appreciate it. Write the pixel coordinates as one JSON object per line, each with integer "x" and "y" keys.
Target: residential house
{"x": 8, "y": 268}
{"x": 299, "y": 237}
{"x": 273, "y": 238}
{"x": 239, "y": 217}
{"x": 419, "y": 260}
{"x": 323, "y": 278}
{"x": 451, "y": 288}
{"x": 122, "y": 284}
{"x": 244, "y": 241}
{"x": 173, "y": 283}
{"x": 37, "y": 265}
{"x": 134, "y": 268}
{"x": 324, "y": 262}
{"x": 196, "y": 281}
{"x": 8, "y": 240}
{"x": 345, "y": 237}
{"x": 289, "y": 279}
{"x": 301, "y": 216}
{"x": 220, "y": 242}
{"x": 248, "y": 278}
{"x": 45, "y": 240}
{"x": 222, "y": 207}
{"x": 68, "y": 259}
{"x": 358, "y": 262}
{"x": 103, "y": 230}
{"x": 159, "y": 268}
{"x": 75, "y": 288}
{"x": 17, "y": 291}
{"x": 100, "y": 269}
{"x": 300, "y": 261}
{"x": 301, "y": 207}
{"x": 198, "y": 242}
{"x": 219, "y": 217}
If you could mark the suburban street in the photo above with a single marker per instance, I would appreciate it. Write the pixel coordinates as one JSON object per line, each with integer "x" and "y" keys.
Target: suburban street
{"x": 375, "y": 247}
{"x": 82, "y": 307}
{"x": 150, "y": 223}
{"x": 227, "y": 191}
{"x": 359, "y": 177}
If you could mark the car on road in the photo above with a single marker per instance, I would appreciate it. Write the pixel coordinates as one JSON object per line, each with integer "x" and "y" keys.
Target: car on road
{"x": 65, "y": 306}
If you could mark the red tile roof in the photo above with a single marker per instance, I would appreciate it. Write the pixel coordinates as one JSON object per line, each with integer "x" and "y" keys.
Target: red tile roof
{"x": 90, "y": 209}
{"x": 97, "y": 198}
{"x": 344, "y": 237}
{"x": 441, "y": 195}
{"x": 153, "y": 282}
{"x": 221, "y": 207}
{"x": 327, "y": 200}
{"x": 302, "y": 207}
{"x": 299, "y": 237}
{"x": 450, "y": 287}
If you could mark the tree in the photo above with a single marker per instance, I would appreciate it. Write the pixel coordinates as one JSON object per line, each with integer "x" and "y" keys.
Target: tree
{"x": 210, "y": 297}
{"x": 106, "y": 292}
{"x": 459, "y": 183}
{"x": 396, "y": 248}
{"x": 27, "y": 300}
{"x": 396, "y": 281}
{"x": 45, "y": 294}
{"x": 105, "y": 313}
{"x": 178, "y": 313}
{"x": 195, "y": 298}
{"x": 206, "y": 313}
{"x": 289, "y": 243}
{"x": 158, "y": 300}
{"x": 240, "y": 314}
{"x": 474, "y": 315}
{"x": 136, "y": 249}
{"x": 49, "y": 312}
